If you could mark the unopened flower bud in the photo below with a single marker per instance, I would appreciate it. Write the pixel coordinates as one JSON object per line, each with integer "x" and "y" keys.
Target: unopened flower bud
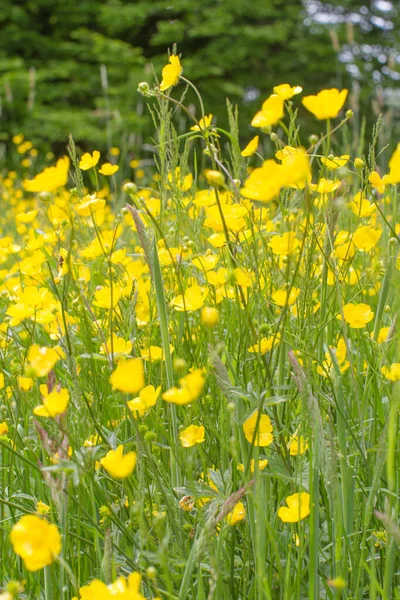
{"x": 144, "y": 88}
{"x": 349, "y": 113}
{"x": 359, "y": 163}
{"x": 130, "y": 188}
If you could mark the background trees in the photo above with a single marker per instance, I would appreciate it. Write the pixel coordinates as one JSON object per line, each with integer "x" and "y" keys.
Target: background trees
{"x": 74, "y": 66}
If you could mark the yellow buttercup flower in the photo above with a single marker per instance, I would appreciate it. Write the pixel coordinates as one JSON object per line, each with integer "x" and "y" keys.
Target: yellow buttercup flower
{"x": 264, "y": 436}
{"x": 392, "y": 372}
{"x": 191, "y": 388}
{"x": 193, "y": 299}
{"x": 50, "y": 179}
{"x": 42, "y": 359}
{"x": 297, "y": 445}
{"x": 265, "y": 344}
{"x": 271, "y": 112}
{"x": 326, "y": 104}
{"x": 36, "y": 541}
{"x": 192, "y": 435}
{"x": 262, "y": 463}
{"x": 336, "y": 162}
{"x": 121, "y": 589}
{"x": 285, "y": 91}
{"x": 90, "y": 205}
{"x": 251, "y": 147}
{"x": 171, "y": 73}
{"x": 146, "y": 399}
{"x": 128, "y": 377}
{"x": 108, "y": 169}
{"x": 298, "y": 508}
{"x": 89, "y": 160}
{"x": 3, "y": 428}
{"x": 117, "y": 464}
{"x": 54, "y": 403}
{"x": 357, "y": 315}
{"x": 204, "y": 123}
{"x": 365, "y": 238}
{"x": 284, "y": 244}
{"x": 237, "y": 514}
{"x": 285, "y": 298}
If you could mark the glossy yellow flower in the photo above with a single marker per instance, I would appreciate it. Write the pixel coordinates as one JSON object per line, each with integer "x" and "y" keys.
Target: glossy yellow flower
{"x": 154, "y": 353}
{"x": 119, "y": 345}
{"x": 297, "y": 445}
{"x": 193, "y": 299}
{"x": 3, "y": 428}
{"x": 146, "y": 399}
{"x": 121, "y": 589}
{"x": 393, "y": 176}
{"x": 171, "y": 73}
{"x": 128, "y": 377}
{"x": 285, "y": 244}
{"x": 271, "y": 112}
{"x": 263, "y": 424}
{"x": 262, "y": 463}
{"x": 204, "y": 123}
{"x": 336, "y": 162}
{"x": 191, "y": 388}
{"x": 117, "y": 464}
{"x": 36, "y": 541}
{"x": 285, "y": 91}
{"x": 50, "y": 179}
{"x": 192, "y": 435}
{"x": 265, "y": 344}
{"x": 357, "y": 315}
{"x": 108, "y": 169}
{"x": 237, "y": 514}
{"x": 326, "y": 104}
{"x": 42, "y": 508}
{"x": 42, "y": 359}
{"x": 298, "y": 508}
{"x": 264, "y": 183}
{"x": 392, "y": 372}
{"x": 89, "y": 160}
{"x": 251, "y": 147}
{"x": 366, "y": 237}
{"x": 54, "y": 403}
{"x": 90, "y": 205}
{"x": 107, "y": 297}
{"x": 285, "y": 298}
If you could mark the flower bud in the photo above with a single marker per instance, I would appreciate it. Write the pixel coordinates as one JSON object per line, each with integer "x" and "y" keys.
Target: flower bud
{"x": 144, "y": 88}
{"x": 130, "y": 188}
{"x": 359, "y": 163}
{"x": 349, "y": 113}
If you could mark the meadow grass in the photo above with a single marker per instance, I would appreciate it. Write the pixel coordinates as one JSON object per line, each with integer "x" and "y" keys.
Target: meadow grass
{"x": 263, "y": 302}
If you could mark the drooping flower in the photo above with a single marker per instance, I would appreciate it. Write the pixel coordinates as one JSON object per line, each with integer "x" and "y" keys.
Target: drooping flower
{"x": 326, "y": 104}
{"x": 117, "y": 464}
{"x": 194, "y": 434}
{"x": 298, "y": 508}
{"x": 171, "y": 73}
{"x": 36, "y": 541}
{"x": 262, "y": 423}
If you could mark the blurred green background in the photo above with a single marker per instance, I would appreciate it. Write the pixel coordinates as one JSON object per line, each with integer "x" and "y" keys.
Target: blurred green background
{"x": 74, "y": 65}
